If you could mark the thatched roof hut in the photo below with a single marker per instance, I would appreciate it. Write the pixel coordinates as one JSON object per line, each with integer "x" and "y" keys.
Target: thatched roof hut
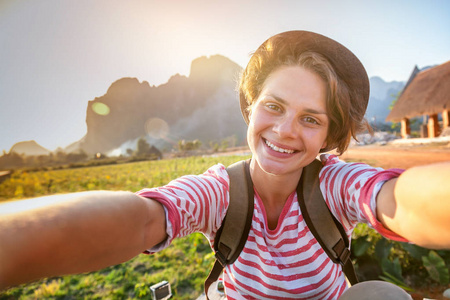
{"x": 426, "y": 93}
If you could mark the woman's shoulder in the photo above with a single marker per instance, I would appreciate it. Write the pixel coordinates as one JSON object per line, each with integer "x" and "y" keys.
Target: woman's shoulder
{"x": 328, "y": 159}
{"x": 331, "y": 161}
{"x": 336, "y": 172}
{"x": 217, "y": 172}
{"x": 215, "y": 177}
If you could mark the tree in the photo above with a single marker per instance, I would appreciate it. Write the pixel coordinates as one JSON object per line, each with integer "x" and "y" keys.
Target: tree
{"x": 130, "y": 152}
{"x": 395, "y": 125}
{"x": 143, "y": 147}
{"x": 11, "y": 160}
{"x": 184, "y": 145}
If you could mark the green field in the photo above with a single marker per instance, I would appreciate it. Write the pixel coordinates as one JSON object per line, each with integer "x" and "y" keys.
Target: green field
{"x": 187, "y": 262}
{"x": 129, "y": 177}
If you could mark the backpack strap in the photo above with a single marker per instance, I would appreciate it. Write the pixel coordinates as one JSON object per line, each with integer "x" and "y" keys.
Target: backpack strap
{"x": 323, "y": 225}
{"x": 327, "y": 230}
{"x": 237, "y": 222}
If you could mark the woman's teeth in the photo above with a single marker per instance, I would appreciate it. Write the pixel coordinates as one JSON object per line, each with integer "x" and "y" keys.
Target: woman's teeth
{"x": 278, "y": 149}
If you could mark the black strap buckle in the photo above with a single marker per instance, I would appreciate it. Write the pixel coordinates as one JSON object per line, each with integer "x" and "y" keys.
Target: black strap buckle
{"x": 342, "y": 252}
{"x": 344, "y": 257}
{"x": 221, "y": 259}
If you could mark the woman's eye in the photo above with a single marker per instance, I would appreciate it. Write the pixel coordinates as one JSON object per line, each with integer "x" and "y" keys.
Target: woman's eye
{"x": 273, "y": 107}
{"x": 311, "y": 120}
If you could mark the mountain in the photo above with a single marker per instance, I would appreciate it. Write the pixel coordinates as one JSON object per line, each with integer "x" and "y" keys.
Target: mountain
{"x": 202, "y": 106}
{"x": 382, "y": 94}
{"x": 29, "y": 148}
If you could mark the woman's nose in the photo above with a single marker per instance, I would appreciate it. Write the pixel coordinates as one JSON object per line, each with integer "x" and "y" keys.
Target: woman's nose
{"x": 286, "y": 127}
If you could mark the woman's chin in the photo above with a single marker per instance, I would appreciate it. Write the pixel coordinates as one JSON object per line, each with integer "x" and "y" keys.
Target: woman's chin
{"x": 276, "y": 168}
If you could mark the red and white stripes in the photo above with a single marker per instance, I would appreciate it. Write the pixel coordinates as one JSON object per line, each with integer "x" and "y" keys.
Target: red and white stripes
{"x": 287, "y": 262}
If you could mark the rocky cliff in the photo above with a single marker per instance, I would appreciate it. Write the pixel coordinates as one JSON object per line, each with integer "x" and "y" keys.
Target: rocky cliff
{"x": 202, "y": 106}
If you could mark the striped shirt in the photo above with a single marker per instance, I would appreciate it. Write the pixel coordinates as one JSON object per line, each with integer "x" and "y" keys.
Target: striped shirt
{"x": 286, "y": 262}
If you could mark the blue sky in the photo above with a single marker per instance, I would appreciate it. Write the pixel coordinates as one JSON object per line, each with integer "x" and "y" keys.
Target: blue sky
{"x": 56, "y": 55}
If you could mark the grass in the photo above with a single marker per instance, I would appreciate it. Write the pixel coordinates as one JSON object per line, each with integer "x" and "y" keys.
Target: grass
{"x": 185, "y": 264}
{"x": 129, "y": 177}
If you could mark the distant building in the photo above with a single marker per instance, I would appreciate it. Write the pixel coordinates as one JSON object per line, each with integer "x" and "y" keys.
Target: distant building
{"x": 427, "y": 93}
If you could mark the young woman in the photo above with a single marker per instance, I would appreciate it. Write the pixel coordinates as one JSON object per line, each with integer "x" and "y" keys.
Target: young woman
{"x": 301, "y": 94}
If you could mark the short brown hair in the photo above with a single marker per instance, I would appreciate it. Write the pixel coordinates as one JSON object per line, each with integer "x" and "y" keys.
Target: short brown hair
{"x": 345, "y": 112}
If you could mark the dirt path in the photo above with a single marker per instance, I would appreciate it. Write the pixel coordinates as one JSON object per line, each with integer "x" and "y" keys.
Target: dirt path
{"x": 397, "y": 157}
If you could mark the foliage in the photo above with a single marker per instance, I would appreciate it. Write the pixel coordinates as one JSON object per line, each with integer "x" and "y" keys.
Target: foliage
{"x": 13, "y": 160}
{"x": 130, "y": 176}
{"x": 145, "y": 150}
{"x": 224, "y": 144}
{"x": 61, "y": 159}
{"x": 394, "y": 99}
{"x": 214, "y": 146}
{"x": 395, "y": 125}
{"x": 184, "y": 145}
{"x": 436, "y": 267}
{"x": 406, "y": 265}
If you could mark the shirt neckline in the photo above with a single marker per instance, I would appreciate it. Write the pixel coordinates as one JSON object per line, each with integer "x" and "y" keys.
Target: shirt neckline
{"x": 284, "y": 212}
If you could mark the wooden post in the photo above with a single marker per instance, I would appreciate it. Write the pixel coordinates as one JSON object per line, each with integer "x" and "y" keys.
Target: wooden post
{"x": 424, "y": 127}
{"x": 445, "y": 118}
{"x": 423, "y": 130}
{"x": 433, "y": 126}
{"x": 406, "y": 129}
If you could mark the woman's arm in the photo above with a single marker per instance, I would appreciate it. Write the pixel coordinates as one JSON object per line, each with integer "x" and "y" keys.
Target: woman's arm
{"x": 90, "y": 231}
{"x": 417, "y": 205}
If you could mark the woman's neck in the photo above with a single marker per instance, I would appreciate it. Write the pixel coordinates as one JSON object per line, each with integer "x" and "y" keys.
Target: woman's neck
{"x": 273, "y": 189}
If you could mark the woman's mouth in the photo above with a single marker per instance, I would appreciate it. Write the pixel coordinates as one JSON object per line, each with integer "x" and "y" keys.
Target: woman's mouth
{"x": 278, "y": 149}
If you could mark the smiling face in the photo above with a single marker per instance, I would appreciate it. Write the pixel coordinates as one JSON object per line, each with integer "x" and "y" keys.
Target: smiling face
{"x": 288, "y": 121}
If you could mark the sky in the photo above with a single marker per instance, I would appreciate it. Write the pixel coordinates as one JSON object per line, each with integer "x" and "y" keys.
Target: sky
{"x": 56, "y": 55}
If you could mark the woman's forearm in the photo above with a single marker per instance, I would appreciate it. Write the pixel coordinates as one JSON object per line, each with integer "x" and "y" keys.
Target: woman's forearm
{"x": 88, "y": 232}
{"x": 419, "y": 205}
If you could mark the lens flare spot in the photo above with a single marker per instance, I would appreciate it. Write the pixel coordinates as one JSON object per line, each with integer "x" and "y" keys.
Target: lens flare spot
{"x": 100, "y": 108}
{"x": 157, "y": 128}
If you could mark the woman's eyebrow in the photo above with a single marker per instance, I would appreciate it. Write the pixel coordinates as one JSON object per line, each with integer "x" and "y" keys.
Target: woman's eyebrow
{"x": 279, "y": 99}
{"x": 316, "y": 112}
{"x": 308, "y": 110}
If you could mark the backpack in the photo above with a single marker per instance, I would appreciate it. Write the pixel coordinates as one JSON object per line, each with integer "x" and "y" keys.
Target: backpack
{"x": 232, "y": 235}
